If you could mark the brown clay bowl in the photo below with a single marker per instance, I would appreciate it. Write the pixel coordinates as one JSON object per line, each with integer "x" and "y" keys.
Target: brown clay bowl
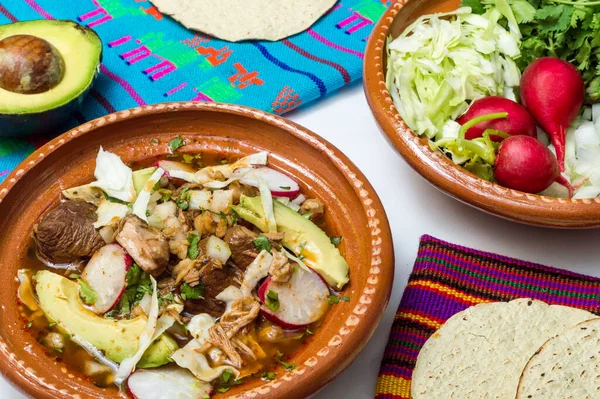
{"x": 353, "y": 211}
{"x": 438, "y": 169}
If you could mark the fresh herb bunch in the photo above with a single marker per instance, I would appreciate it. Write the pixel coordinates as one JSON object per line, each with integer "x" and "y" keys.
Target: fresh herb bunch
{"x": 567, "y": 29}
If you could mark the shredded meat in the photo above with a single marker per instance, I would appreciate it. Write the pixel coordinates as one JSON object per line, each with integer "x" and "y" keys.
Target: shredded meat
{"x": 281, "y": 269}
{"x": 275, "y": 236}
{"x": 222, "y": 334}
{"x": 238, "y": 318}
{"x": 182, "y": 269}
{"x": 192, "y": 278}
{"x": 220, "y": 339}
{"x": 243, "y": 348}
{"x": 147, "y": 246}
{"x": 314, "y": 207}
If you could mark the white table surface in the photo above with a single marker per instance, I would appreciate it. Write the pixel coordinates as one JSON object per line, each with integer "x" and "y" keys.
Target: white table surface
{"x": 414, "y": 208}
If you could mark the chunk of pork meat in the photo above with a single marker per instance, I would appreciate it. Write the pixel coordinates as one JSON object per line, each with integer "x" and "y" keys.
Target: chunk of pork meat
{"x": 147, "y": 246}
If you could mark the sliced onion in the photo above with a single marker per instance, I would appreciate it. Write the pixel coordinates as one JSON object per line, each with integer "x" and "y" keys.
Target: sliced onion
{"x": 299, "y": 199}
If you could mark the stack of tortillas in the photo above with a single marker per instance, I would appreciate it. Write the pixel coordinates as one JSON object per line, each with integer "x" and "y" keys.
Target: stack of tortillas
{"x": 236, "y": 20}
{"x": 524, "y": 349}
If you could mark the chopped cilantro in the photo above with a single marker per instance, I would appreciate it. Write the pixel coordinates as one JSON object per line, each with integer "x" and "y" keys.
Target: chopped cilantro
{"x": 183, "y": 201}
{"x": 223, "y": 390}
{"x": 272, "y": 300}
{"x": 51, "y": 324}
{"x": 87, "y": 293}
{"x": 187, "y": 158}
{"x": 59, "y": 350}
{"x": 262, "y": 243}
{"x": 176, "y": 143}
{"x": 268, "y": 376}
{"x": 288, "y": 366}
{"x": 166, "y": 194}
{"x": 74, "y": 276}
{"x": 333, "y": 299}
{"x": 154, "y": 141}
{"x": 336, "y": 240}
{"x": 285, "y": 187}
{"x": 30, "y": 324}
{"x": 193, "y": 250}
{"x": 224, "y": 161}
{"x": 188, "y": 292}
{"x": 226, "y": 376}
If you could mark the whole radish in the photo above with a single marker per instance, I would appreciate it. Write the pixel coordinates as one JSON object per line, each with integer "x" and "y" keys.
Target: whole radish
{"x": 525, "y": 164}
{"x": 553, "y": 92}
{"x": 518, "y": 122}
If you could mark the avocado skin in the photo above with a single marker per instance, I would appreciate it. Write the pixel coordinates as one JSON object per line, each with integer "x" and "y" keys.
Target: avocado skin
{"x": 44, "y": 122}
{"x": 25, "y": 125}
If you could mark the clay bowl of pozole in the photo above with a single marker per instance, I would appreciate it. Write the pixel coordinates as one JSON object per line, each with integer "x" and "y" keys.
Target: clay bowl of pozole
{"x": 188, "y": 250}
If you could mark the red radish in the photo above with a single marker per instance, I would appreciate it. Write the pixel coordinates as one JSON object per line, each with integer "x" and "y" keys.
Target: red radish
{"x": 167, "y": 382}
{"x": 553, "y": 91}
{"x": 178, "y": 170}
{"x": 302, "y": 300}
{"x": 280, "y": 184}
{"x": 525, "y": 164}
{"x": 106, "y": 273}
{"x": 518, "y": 122}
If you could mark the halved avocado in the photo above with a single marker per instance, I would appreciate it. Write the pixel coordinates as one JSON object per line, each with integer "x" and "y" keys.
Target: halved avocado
{"x": 302, "y": 237}
{"x": 80, "y": 51}
{"x": 117, "y": 339}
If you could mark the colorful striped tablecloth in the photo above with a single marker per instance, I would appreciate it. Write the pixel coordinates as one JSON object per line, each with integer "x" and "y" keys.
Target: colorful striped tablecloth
{"x": 150, "y": 58}
{"x": 447, "y": 279}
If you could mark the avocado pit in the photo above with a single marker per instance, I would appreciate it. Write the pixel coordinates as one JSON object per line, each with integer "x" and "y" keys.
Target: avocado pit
{"x": 29, "y": 65}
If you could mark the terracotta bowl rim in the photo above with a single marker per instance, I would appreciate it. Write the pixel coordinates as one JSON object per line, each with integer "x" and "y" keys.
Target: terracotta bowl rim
{"x": 354, "y": 333}
{"x": 442, "y": 172}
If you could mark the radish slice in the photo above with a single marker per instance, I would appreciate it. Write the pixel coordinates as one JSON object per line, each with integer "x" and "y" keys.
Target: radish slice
{"x": 280, "y": 184}
{"x": 178, "y": 170}
{"x": 302, "y": 300}
{"x": 168, "y": 382}
{"x": 106, "y": 274}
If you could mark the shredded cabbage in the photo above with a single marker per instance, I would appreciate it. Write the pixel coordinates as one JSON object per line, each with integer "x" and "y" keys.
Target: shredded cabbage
{"x": 127, "y": 366}
{"x": 196, "y": 362}
{"x": 267, "y": 204}
{"x": 438, "y": 65}
{"x": 109, "y": 213}
{"x": 114, "y": 177}
{"x": 140, "y": 205}
{"x": 256, "y": 271}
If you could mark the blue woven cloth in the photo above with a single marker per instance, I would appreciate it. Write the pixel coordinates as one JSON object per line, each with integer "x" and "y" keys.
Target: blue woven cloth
{"x": 150, "y": 58}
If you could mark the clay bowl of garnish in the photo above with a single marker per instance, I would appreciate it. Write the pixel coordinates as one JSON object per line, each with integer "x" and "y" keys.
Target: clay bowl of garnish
{"x": 437, "y": 167}
{"x": 271, "y": 253}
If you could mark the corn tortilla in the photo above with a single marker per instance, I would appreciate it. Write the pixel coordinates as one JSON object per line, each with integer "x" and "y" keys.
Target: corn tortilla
{"x": 481, "y": 352}
{"x": 567, "y": 366}
{"x": 235, "y": 20}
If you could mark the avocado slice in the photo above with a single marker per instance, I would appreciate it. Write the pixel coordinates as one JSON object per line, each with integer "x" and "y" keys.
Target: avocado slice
{"x": 81, "y": 51}
{"x": 302, "y": 237}
{"x": 118, "y": 339}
